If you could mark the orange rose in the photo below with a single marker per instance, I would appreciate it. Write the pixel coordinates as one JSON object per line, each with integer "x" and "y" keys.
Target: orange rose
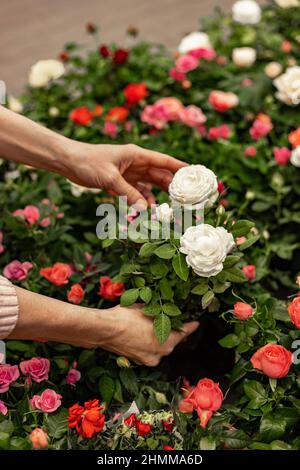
{"x": 294, "y": 138}
{"x": 118, "y": 114}
{"x": 58, "y": 274}
{"x": 294, "y": 311}
{"x": 88, "y": 419}
{"x": 273, "y": 360}
{"x": 76, "y": 294}
{"x": 38, "y": 439}
{"x": 110, "y": 290}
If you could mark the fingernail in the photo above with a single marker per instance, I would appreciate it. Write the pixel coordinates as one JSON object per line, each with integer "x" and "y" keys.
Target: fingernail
{"x": 140, "y": 205}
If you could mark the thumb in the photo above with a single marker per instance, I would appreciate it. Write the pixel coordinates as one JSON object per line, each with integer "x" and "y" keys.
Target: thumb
{"x": 188, "y": 329}
{"x": 134, "y": 197}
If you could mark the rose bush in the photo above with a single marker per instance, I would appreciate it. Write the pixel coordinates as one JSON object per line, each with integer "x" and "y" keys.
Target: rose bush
{"x": 241, "y": 123}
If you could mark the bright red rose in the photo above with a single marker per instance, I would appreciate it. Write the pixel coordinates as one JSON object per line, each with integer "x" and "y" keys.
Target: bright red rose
{"x": 249, "y": 271}
{"x": 104, "y": 51}
{"x": 130, "y": 421}
{"x": 135, "y": 92}
{"x": 110, "y": 290}
{"x": 166, "y": 447}
{"x": 118, "y": 114}
{"x": 82, "y": 116}
{"x": 168, "y": 425}
{"x": 120, "y": 56}
{"x": 273, "y": 360}
{"x": 242, "y": 310}
{"x": 76, "y": 294}
{"x": 87, "y": 420}
{"x": 58, "y": 274}
{"x": 294, "y": 311}
{"x": 142, "y": 429}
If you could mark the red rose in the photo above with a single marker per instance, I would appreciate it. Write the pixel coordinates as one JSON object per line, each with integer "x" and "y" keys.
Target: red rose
{"x": 120, "y": 56}
{"x": 82, "y": 116}
{"x": 168, "y": 425}
{"x": 130, "y": 421}
{"x": 249, "y": 272}
{"x": 166, "y": 447}
{"x": 117, "y": 114}
{"x": 104, "y": 51}
{"x": 273, "y": 360}
{"x": 294, "y": 311}
{"x": 88, "y": 419}
{"x": 110, "y": 290}
{"x": 135, "y": 92}
{"x": 142, "y": 429}
{"x": 58, "y": 274}
{"x": 76, "y": 294}
{"x": 242, "y": 310}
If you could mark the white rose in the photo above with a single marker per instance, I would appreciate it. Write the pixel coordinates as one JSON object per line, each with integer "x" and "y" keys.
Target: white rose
{"x": 288, "y": 86}
{"x": 244, "y": 56}
{"x": 246, "y": 12}
{"x": 164, "y": 213}
{"x": 43, "y": 71}
{"x": 195, "y": 40}
{"x": 194, "y": 186}
{"x": 14, "y": 104}
{"x": 287, "y": 3}
{"x": 206, "y": 248}
{"x": 273, "y": 69}
{"x": 295, "y": 157}
{"x": 53, "y": 111}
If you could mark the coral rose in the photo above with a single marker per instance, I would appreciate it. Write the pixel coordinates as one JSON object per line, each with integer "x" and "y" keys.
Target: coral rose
{"x": 242, "y": 311}
{"x": 76, "y": 294}
{"x": 118, "y": 114}
{"x": 249, "y": 271}
{"x": 38, "y": 438}
{"x": 222, "y": 101}
{"x": 273, "y": 360}
{"x": 110, "y": 290}
{"x": 294, "y": 311}
{"x": 294, "y": 138}
{"x": 58, "y": 274}
{"x": 36, "y": 368}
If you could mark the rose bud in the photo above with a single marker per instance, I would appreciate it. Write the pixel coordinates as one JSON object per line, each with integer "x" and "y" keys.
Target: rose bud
{"x": 294, "y": 311}
{"x": 123, "y": 362}
{"x": 38, "y": 439}
{"x": 242, "y": 311}
{"x": 249, "y": 272}
{"x": 273, "y": 360}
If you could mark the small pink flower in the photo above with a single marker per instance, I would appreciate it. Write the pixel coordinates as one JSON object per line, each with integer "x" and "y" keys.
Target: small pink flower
{"x": 8, "y": 375}
{"x": 73, "y": 376}
{"x": 1, "y": 243}
{"x": 250, "y": 151}
{"x": 203, "y": 53}
{"x": 30, "y": 213}
{"x": 60, "y": 215}
{"x": 178, "y": 76}
{"x": 186, "y": 63}
{"x": 3, "y": 408}
{"x": 48, "y": 402}
{"x": 128, "y": 126}
{"x": 222, "y": 132}
{"x": 240, "y": 240}
{"x": 45, "y": 222}
{"x": 17, "y": 271}
{"x": 192, "y": 116}
{"x": 247, "y": 82}
{"x": 37, "y": 368}
{"x": 201, "y": 130}
{"x": 260, "y": 129}
{"x": 249, "y": 271}
{"x": 110, "y": 129}
{"x": 282, "y": 155}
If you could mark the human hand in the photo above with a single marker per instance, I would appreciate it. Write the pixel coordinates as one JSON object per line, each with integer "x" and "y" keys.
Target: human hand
{"x": 126, "y": 170}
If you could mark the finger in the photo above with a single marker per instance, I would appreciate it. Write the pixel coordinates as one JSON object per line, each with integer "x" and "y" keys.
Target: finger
{"x": 187, "y": 330}
{"x": 161, "y": 160}
{"x": 134, "y": 197}
{"x": 161, "y": 178}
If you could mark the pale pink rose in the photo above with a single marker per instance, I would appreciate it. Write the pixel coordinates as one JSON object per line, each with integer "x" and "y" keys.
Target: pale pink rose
{"x": 46, "y": 201}
{"x": 110, "y": 129}
{"x": 30, "y": 213}
{"x": 8, "y": 375}
{"x": 73, "y": 376}
{"x": 186, "y": 63}
{"x": 260, "y": 129}
{"x": 3, "y": 408}
{"x": 60, "y": 215}
{"x": 1, "y": 243}
{"x": 171, "y": 107}
{"x": 45, "y": 222}
{"x": 178, "y": 76}
{"x": 48, "y": 402}
{"x": 17, "y": 271}
{"x": 37, "y": 368}
{"x": 203, "y": 53}
{"x": 282, "y": 155}
{"x": 154, "y": 116}
{"x": 192, "y": 116}
{"x": 38, "y": 438}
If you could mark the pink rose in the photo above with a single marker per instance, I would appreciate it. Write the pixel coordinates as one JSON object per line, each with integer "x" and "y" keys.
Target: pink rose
{"x": 17, "y": 271}
{"x": 242, "y": 310}
{"x": 3, "y": 408}
{"x": 8, "y": 375}
{"x": 178, "y": 76}
{"x": 73, "y": 376}
{"x": 223, "y": 101}
{"x": 186, "y": 63}
{"x": 154, "y": 116}
{"x": 222, "y": 132}
{"x": 260, "y": 129}
{"x": 171, "y": 108}
{"x": 36, "y": 368}
{"x": 192, "y": 116}
{"x": 249, "y": 271}
{"x": 250, "y": 151}
{"x": 30, "y": 213}
{"x": 48, "y": 402}
{"x": 203, "y": 53}
{"x": 282, "y": 155}
{"x": 110, "y": 129}
{"x": 1, "y": 243}
{"x": 45, "y": 222}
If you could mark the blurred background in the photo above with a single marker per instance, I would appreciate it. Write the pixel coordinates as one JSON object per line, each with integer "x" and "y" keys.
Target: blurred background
{"x": 37, "y": 29}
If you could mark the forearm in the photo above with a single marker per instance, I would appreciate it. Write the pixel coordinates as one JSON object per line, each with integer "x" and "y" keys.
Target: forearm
{"x": 27, "y": 142}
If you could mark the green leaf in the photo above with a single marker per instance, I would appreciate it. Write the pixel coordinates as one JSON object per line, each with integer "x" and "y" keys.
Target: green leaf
{"x": 229, "y": 341}
{"x": 235, "y": 439}
{"x": 165, "y": 289}
{"x": 208, "y": 443}
{"x": 129, "y": 380}
{"x": 129, "y": 297}
{"x": 220, "y": 287}
{"x": 271, "y": 427}
{"x": 147, "y": 249}
{"x": 106, "y": 388}
{"x": 241, "y": 228}
{"x": 162, "y": 327}
{"x": 254, "y": 389}
{"x": 118, "y": 395}
{"x": 165, "y": 251}
{"x": 171, "y": 310}
{"x": 201, "y": 287}
{"x": 159, "y": 269}
{"x": 85, "y": 358}
{"x": 57, "y": 424}
{"x": 152, "y": 310}
{"x": 231, "y": 260}
{"x": 207, "y": 299}
{"x": 7, "y": 426}
{"x": 235, "y": 275}
{"x": 146, "y": 294}
{"x": 180, "y": 266}
{"x": 139, "y": 281}
{"x": 4, "y": 440}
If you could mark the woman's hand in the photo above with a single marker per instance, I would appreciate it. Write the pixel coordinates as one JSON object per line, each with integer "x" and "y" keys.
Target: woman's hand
{"x": 126, "y": 170}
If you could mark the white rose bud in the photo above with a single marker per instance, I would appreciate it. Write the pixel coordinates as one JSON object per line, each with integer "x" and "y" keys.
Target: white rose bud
{"x": 244, "y": 56}
{"x": 273, "y": 69}
{"x": 194, "y": 186}
{"x": 53, "y": 111}
{"x": 206, "y": 248}
{"x": 14, "y": 104}
{"x": 288, "y": 86}
{"x": 195, "y": 40}
{"x": 246, "y": 12}
{"x": 164, "y": 213}
{"x": 287, "y": 3}
{"x": 295, "y": 157}
{"x": 43, "y": 71}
